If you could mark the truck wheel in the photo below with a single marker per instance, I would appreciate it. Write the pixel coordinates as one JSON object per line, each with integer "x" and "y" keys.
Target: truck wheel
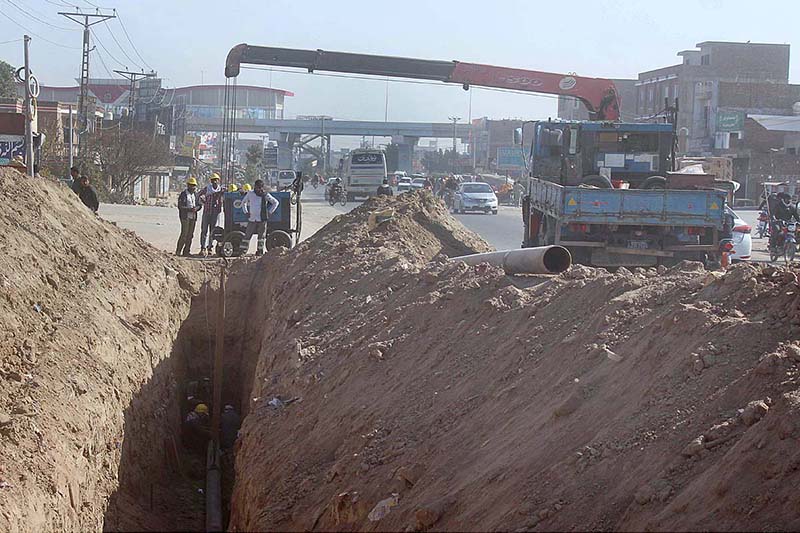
{"x": 654, "y": 182}
{"x": 601, "y": 182}
{"x": 278, "y": 238}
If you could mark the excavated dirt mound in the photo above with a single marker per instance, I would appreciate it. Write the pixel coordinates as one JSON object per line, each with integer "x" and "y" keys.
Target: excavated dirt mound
{"x": 416, "y": 393}
{"x": 87, "y": 393}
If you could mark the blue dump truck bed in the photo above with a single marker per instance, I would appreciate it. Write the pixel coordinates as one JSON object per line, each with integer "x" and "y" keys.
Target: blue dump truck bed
{"x": 628, "y": 227}
{"x": 653, "y": 207}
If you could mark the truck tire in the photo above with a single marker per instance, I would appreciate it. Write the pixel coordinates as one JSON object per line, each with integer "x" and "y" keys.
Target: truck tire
{"x": 654, "y": 182}
{"x": 278, "y": 238}
{"x": 601, "y": 182}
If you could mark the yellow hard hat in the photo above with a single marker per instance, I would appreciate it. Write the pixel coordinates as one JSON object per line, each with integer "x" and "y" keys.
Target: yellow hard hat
{"x": 233, "y": 187}
{"x": 201, "y": 408}
{"x": 191, "y": 181}
{"x": 214, "y": 176}
{"x": 247, "y": 187}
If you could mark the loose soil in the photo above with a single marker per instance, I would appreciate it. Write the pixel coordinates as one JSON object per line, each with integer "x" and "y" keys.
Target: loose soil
{"x": 432, "y": 395}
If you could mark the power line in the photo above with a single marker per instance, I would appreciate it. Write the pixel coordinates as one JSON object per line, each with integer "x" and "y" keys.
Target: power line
{"x": 12, "y": 41}
{"x": 37, "y": 35}
{"x": 133, "y": 62}
{"x": 117, "y": 61}
{"x": 36, "y": 18}
{"x": 130, "y": 41}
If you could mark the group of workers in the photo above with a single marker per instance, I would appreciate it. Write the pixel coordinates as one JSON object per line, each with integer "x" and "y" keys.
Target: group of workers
{"x": 196, "y": 429}
{"x": 257, "y": 203}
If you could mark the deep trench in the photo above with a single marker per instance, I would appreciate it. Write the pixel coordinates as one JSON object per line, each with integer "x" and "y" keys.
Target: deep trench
{"x": 161, "y": 478}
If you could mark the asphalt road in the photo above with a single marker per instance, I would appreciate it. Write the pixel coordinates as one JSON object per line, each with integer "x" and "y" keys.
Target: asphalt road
{"x": 160, "y": 226}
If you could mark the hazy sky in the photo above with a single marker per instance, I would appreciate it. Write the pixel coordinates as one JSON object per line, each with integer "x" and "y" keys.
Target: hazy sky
{"x": 185, "y": 40}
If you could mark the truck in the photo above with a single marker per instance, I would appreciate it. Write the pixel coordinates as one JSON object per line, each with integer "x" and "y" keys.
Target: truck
{"x": 601, "y": 187}
{"x": 364, "y": 170}
{"x": 644, "y": 215}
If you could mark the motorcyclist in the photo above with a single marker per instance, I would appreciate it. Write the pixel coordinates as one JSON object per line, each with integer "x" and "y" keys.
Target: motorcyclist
{"x": 781, "y": 210}
{"x": 335, "y": 187}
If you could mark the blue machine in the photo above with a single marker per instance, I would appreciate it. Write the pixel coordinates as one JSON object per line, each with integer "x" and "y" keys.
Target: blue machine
{"x": 229, "y": 238}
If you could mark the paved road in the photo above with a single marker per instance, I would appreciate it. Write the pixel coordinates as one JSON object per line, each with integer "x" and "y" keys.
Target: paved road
{"x": 160, "y": 226}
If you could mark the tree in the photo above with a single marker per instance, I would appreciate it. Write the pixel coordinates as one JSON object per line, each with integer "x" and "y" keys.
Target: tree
{"x": 392, "y": 157}
{"x": 8, "y": 87}
{"x": 254, "y": 159}
{"x": 119, "y": 157}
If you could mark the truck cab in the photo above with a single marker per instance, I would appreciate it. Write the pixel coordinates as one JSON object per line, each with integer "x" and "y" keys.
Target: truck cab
{"x": 575, "y": 153}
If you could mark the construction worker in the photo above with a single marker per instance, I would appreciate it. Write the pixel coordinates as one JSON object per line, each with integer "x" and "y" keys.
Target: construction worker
{"x": 87, "y": 195}
{"x": 196, "y": 428}
{"x": 229, "y": 427}
{"x": 384, "y": 189}
{"x": 246, "y": 188}
{"x": 188, "y": 206}
{"x": 233, "y": 187}
{"x": 211, "y": 198}
{"x": 258, "y": 204}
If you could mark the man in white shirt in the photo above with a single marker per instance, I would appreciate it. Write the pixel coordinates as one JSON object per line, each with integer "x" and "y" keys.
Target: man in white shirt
{"x": 259, "y": 205}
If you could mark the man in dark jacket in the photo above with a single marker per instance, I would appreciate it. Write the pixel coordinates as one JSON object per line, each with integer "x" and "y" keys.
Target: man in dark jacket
{"x": 384, "y": 189}
{"x": 87, "y": 195}
{"x": 229, "y": 427}
{"x": 188, "y": 206}
{"x": 75, "y": 174}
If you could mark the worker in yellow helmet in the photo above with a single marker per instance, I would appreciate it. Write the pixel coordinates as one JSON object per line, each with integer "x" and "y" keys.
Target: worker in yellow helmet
{"x": 233, "y": 187}
{"x": 188, "y": 206}
{"x": 246, "y": 188}
{"x": 196, "y": 428}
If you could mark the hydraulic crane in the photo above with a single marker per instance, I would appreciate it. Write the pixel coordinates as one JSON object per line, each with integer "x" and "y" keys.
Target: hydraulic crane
{"x": 598, "y": 95}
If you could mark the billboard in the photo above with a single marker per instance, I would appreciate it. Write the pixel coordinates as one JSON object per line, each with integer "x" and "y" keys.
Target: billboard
{"x": 510, "y": 158}
{"x": 11, "y": 146}
{"x": 271, "y": 157}
{"x": 730, "y": 121}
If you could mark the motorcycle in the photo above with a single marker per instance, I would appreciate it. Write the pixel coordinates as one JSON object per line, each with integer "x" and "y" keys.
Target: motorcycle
{"x": 763, "y": 224}
{"x": 337, "y": 194}
{"x": 785, "y": 242}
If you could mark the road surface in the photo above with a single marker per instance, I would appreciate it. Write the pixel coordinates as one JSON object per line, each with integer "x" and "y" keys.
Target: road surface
{"x": 160, "y": 226}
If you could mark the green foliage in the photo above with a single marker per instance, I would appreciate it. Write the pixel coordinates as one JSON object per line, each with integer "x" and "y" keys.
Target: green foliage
{"x": 7, "y": 86}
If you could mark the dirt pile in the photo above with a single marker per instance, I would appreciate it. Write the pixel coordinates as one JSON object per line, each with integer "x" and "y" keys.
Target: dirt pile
{"x": 87, "y": 393}
{"x": 416, "y": 393}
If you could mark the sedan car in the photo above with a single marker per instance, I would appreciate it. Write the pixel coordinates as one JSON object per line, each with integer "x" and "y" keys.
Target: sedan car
{"x": 742, "y": 241}
{"x": 403, "y": 184}
{"x": 418, "y": 183}
{"x": 475, "y": 197}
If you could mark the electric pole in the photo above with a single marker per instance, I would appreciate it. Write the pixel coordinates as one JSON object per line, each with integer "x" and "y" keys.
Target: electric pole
{"x": 133, "y": 78}
{"x": 28, "y": 111}
{"x": 86, "y": 20}
{"x": 455, "y": 121}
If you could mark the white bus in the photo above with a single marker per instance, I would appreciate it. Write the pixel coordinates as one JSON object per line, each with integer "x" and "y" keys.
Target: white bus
{"x": 364, "y": 170}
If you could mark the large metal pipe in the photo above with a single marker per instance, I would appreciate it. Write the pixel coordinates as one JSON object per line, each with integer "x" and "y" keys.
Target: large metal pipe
{"x": 541, "y": 260}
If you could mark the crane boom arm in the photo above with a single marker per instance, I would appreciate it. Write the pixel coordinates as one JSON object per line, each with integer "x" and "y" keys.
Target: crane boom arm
{"x": 598, "y": 94}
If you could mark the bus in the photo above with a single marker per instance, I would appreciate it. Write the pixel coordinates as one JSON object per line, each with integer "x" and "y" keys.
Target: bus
{"x": 364, "y": 170}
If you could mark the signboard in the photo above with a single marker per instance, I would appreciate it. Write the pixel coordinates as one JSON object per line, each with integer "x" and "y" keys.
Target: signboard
{"x": 188, "y": 145}
{"x": 271, "y": 157}
{"x": 730, "y": 121}
{"x": 509, "y": 158}
{"x": 11, "y": 146}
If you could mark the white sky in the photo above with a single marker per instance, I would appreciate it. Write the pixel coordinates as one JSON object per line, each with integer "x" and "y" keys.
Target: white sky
{"x": 188, "y": 40}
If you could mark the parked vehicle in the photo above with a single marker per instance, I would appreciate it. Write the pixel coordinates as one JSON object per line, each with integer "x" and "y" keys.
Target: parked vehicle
{"x": 286, "y": 178}
{"x": 475, "y": 197}
{"x": 364, "y": 171}
{"x": 740, "y": 235}
{"x": 418, "y": 183}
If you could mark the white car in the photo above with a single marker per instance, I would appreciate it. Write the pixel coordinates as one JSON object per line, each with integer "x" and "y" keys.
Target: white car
{"x": 742, "y": 241}
{"x": 417, "y": 183}
{"x": 475, "y": 196}
{"x": 403, "y": 184}
{"x": 286, "y": 178}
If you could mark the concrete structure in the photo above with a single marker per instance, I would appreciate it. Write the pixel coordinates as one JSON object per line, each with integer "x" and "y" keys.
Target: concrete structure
{"x": 716, "y": 85}
{"x": 291, "y": 133}
{"x": 489, "y": 136}
{"x": 570, "y": 108}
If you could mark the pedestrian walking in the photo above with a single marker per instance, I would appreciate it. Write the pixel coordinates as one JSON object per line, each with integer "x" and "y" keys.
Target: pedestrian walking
{"x": 259, "y": 205}
{"x": 88, "y": 195}
{"x": 211, "y": 198}
{"x": 188, "y": 206}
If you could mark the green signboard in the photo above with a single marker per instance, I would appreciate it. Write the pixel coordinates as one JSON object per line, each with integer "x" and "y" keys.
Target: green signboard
{"x": 730, "y": 121}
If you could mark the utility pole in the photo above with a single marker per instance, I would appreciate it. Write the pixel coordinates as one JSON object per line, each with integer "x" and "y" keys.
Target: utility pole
{"x": 28, "y": 110}
{"x": 455, "y": 121}
{"x": 71, "y": 134}
{"x": 86, "y": 20}
{"x": 133, "y": 78}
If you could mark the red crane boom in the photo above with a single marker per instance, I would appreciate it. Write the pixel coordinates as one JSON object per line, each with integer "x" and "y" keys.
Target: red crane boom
{"x": 598, "y": 95}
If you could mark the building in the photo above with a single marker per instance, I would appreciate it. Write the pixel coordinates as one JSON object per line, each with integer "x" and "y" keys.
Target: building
{"x": 716, "y": 85}
{"x": 570, "y": 108}
{"x": 491, "y": 141}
